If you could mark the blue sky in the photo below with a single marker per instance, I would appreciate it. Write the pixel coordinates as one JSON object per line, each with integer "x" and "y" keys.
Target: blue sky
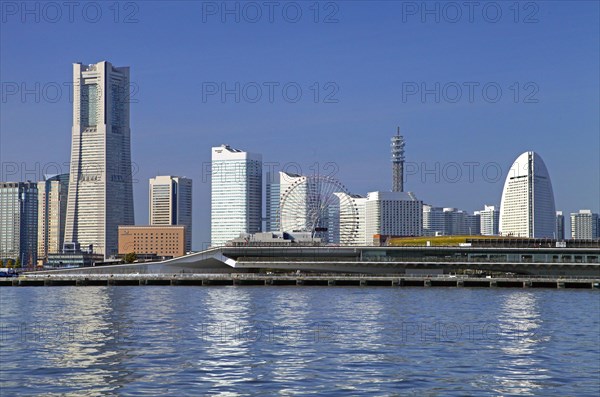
{"x": 362, "y": 68}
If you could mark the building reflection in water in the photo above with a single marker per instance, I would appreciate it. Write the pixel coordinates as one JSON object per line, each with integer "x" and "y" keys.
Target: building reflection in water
{"x": 520, "y": 366}
{"x": 222, "y": 334}
{"x": 77, "y": 336}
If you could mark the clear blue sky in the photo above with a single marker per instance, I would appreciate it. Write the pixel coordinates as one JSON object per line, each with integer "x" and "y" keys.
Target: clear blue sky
{"x": 372, "y": 54}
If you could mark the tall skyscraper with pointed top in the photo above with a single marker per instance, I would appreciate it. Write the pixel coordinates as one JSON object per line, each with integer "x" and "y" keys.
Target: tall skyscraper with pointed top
{"x": 100, "y": 188}
{"x": 398, "y": 162}
{"x": 527, "y": 206}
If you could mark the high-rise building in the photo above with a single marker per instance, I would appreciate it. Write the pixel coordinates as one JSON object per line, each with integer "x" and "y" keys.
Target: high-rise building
{"x": 584, "y": 225}
{"x": 100, "y": 187}
{"x": 294, "y": 195}
{"x": 472, "y": 224}
{"x": 434, "y": 221}
{"x": 272, "y": 193}
{"x": 460, "y": 223}
{"x": 560, "y": 226}
{"x": 527, "y": 207}
{"x": 351, "y": 216}
{"x": 171, "y": 204}
{"x": 398, "y": 162}
{"x": 236, "y": 194}
{"x": 52, "y": 212}
{"x": 489, "y": 220}
{"x": 394, "y": 214}
{"x": 19, "y": 222}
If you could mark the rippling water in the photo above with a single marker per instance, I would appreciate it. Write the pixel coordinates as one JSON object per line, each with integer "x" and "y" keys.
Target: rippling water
{"x": 231, "y": 341}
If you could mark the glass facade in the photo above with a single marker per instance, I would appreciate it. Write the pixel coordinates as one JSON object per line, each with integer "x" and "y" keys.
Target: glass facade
{"x": 19, "y": 222}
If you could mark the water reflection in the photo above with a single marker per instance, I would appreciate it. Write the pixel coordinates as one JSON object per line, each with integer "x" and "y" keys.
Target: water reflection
{"x": 266, "y": 341}
{"x": 77, "y": 340}
{"x": 222, "y": 331}
{"x": 521, "y": 370}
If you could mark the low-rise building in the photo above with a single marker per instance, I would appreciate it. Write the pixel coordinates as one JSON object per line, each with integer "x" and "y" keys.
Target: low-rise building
{"x": 162, "y": 241}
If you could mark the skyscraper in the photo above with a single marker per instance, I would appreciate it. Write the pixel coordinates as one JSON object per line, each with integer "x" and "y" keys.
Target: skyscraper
{"x": 527, "y": 207}
{"x": 560, "y": 226}
{"x": 489, "y": 220}
{"x": 584, "y": 225}
{"x": 272, "y": 202}
{"x": 434, "y": 221}
{"x": 398, "y": 162}
{"x": 19, "y": 222}
{"x": 294, "y": 194}
{"x": 460, "y": 223}
{"x": 236, "y": 194}
{"x": 100, "y": 187}
{"x": 52, "y": 211}
{"x": 171, "y": 204}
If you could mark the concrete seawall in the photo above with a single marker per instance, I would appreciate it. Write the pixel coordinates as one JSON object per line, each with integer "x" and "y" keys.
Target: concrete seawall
{"x": 296, "y": 280}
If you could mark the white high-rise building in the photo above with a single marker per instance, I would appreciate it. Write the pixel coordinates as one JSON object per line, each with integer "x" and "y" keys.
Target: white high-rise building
{"x": 394, "y": 214}
{"x": 584, "y": 225}
{"x": 171, "y": 204}
{"x": 489, "y": 220}
{"x": 100, "y": 187}
{"x": 52, "y": 211}
{"x": 351, "y": 228}
{"x": 272, "y": 199}
{"x": 434, "y": 223}
{"x": 527, "y": 207}
{"x": 294, "y": 192}
{"x": 236, "y": 194}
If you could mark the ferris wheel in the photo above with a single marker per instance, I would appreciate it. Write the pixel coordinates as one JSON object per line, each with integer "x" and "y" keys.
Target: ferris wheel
{"x": 321, "y": 206}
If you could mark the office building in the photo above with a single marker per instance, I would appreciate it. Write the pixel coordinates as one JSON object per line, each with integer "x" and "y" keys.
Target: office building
{"x": 394, "y": 214}
{"x": 171, "y": 204}
{"x": 100, "y": 187}
{"x": 460, "y": 223}
{"x": 272, "y": 198}
{"x": 584, "y": 225}
{"x": 489, "y": 220}
{"x": 19, "y": 222}
{"x": 52, "y": 211}
{"x": 434, "y": 221}
{"x": 560, "y": 226}
{"x": 236, "y": 194}
{"x": 527, "y": 207}
{"x": 161, "y": 241}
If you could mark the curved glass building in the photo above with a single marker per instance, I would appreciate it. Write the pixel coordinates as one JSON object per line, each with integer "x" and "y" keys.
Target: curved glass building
{"x": 527, "y": 206}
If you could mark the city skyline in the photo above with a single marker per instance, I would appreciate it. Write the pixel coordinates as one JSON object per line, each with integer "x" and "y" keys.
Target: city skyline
{"x": 443, "y": 138}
